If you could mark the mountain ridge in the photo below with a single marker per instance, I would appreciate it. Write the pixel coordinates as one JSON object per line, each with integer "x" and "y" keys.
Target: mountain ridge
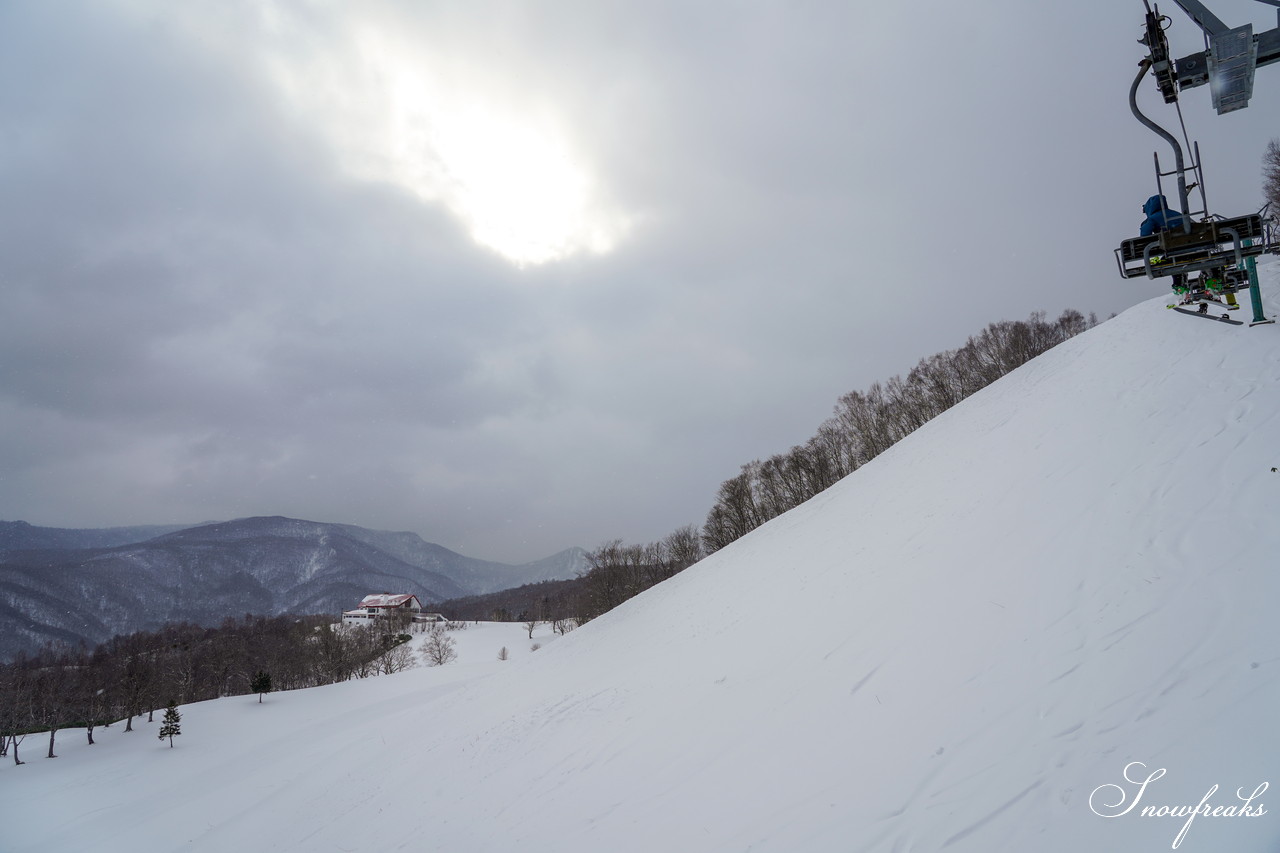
{"x": 265, "y": 565}
{"x": 22, "y": 536}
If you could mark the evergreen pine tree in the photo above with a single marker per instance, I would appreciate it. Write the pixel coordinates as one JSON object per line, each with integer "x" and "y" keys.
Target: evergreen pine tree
{"x": 170, "y": 725}
{"x": 260, "y": 684}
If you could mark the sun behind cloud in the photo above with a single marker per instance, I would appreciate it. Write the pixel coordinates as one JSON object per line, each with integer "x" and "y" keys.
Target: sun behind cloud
{"x": 503, "y": 164}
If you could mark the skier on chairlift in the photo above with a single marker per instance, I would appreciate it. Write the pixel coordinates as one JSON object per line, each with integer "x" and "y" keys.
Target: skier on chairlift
{"x": 1161, "y": 217}
{"x": 1209, "y": 287}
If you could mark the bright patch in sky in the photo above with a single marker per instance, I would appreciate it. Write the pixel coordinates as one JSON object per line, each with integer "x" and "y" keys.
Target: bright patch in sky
{"x": 411, "y": 116}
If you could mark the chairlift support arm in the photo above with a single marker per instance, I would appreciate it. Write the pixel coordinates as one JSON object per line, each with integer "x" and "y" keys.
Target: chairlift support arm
{"x": 1232, "y": 55}
{"x": 1198, "y": 12}
{"x": 1181, "y": 170}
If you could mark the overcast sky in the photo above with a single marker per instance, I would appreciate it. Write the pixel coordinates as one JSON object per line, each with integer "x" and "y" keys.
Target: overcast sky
{"x": 518, "y": 276}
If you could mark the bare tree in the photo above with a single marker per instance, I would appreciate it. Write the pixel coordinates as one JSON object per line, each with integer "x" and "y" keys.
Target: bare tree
{"x": 396, "y": 659}
{"x": 1271, "y": 177}
{"x": 332, "y": 654}
{"x": 395, "y": 621}
{"x": 735, "y": 513}
{"x": 52, "y": 694}
{"x": 684, "y": 546}
{"x": 366, "y": 647}
{"x": 136, "y": 675}
{"x": 89, "y": 694}
{"x": 16, "y": 705}
{"x": 14, "y": 740}
{"x": 438, "y": 650}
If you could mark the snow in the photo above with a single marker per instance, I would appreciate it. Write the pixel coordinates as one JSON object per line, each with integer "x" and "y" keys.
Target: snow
{"x": 385, "y": 599}
{"x": 964, "y": 646}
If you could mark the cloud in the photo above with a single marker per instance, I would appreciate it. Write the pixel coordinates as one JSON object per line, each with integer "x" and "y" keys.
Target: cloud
{"x": 244, "y": 265}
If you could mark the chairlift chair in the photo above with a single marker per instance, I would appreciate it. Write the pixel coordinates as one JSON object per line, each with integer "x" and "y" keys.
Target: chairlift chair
{"x": 1204, "y": 242}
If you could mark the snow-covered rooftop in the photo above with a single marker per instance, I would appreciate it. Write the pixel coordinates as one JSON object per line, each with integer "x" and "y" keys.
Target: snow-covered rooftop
{"x": 385, "y": 599}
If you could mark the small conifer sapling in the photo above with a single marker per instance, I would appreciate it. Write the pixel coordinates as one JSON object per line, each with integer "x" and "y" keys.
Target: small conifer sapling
{"x": 261, "y": 684}
{"x": 171, "y": 724}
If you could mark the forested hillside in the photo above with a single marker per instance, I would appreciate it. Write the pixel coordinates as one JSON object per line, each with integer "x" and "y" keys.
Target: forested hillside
{"x": 864, "y": 425}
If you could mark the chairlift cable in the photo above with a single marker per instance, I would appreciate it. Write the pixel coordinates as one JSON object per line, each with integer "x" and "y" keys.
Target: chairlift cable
{"x": 1195, "y": 166}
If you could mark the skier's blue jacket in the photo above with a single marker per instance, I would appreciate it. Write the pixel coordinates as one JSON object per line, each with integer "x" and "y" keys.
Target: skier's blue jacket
{"x": 1160, "y": 216}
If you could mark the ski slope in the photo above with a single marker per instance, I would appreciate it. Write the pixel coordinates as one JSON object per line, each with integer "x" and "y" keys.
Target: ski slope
{"x": 960, "y": 647}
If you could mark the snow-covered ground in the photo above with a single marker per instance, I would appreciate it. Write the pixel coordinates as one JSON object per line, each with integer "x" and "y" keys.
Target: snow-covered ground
{"x": 964, "y": 646}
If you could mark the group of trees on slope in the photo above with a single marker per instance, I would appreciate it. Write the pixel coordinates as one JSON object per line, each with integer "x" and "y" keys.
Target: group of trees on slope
{"x": 864, "y": 425}
{"x": 616, "y": 572}
{"x": 867, "y": 423}
{"x": 135, "y": 674}
{"x": 544, "y": 601}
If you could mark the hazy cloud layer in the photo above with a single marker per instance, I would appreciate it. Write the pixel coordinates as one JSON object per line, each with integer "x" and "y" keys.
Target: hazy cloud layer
{"x": 519, "y": 276}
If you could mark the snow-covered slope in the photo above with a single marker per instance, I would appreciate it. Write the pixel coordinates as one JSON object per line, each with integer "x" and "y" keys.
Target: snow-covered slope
{"x": 1071, "y": 571}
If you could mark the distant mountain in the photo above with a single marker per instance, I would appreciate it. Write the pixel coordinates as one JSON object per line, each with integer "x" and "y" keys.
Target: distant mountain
{"x": 55, "y": 587}
{"x": 478, "y": 577}
{"x": 20, "y": 536}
